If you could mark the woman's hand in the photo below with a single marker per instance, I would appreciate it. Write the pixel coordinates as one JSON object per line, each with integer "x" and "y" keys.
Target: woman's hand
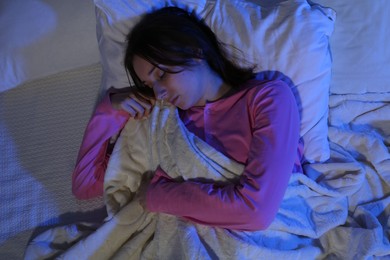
{"x": 149, "y": 180}
{"x": 137, "y": 107}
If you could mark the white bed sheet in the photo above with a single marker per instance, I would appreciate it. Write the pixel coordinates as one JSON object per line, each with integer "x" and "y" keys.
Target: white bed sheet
{"x": 41, "y": 126}
{"x": 360, "y": 46}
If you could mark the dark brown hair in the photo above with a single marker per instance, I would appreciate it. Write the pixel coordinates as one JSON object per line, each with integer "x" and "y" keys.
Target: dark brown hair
{"x": 172, "y": 36}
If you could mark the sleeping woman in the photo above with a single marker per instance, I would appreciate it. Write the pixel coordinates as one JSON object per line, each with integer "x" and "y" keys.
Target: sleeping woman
{"x": 175, "y": 57}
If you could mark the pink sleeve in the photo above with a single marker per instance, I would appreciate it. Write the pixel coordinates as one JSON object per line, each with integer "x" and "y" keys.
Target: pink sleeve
{"x": 88, "y": 175}
{"x": 253, "y": 202}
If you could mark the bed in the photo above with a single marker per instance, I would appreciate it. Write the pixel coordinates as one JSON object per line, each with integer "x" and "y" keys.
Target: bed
{"x": 334, "y": 54}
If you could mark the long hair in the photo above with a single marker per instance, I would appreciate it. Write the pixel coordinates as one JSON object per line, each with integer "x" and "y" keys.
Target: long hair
{"x": 172, "y": 36}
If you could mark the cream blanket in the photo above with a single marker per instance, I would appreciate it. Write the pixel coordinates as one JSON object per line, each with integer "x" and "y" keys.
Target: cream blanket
{"x": 130, "y": 232}
{"x": 339, "y": 209}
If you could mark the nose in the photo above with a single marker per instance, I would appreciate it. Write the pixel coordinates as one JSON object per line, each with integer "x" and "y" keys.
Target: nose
{"x": 159, "y": 91}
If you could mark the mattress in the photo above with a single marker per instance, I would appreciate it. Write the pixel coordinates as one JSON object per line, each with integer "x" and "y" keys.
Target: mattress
{"x": 41, "y": 127}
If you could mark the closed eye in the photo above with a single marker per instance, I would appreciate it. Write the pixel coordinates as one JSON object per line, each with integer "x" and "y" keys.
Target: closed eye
{"x": 146, "y": 85}
{"x": 162, "y": 75}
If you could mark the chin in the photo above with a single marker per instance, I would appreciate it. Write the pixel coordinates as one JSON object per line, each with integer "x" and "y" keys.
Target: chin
{"x": 182, "y": 106}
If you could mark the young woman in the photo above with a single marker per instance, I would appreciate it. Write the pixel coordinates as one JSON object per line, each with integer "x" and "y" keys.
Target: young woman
{"x": 174, "y": 56}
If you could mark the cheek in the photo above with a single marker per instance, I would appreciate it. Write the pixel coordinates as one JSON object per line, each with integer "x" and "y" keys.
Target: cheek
{"x": 189, "y": 81}
{"x": 185, "y": 84}
{"x": 177, "y": 84}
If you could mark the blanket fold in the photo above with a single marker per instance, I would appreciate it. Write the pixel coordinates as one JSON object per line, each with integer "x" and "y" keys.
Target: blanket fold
{"x": 337, "y": 209}
{"x": 160, "y": 140}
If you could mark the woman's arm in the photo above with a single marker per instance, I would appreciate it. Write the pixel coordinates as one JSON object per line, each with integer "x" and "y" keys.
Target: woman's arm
{"x": 88, "y": 175}
{"x": 251, "y": 204}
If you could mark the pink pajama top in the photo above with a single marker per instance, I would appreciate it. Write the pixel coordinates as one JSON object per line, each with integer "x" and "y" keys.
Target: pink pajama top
{"x": 258, "y": 126}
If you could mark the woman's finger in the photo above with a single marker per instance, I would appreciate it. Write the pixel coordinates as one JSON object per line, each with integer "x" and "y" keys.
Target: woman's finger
{"x": 126, "y": 107}
{"x": 136, "y": 108}
{"x": 143, "y": 101}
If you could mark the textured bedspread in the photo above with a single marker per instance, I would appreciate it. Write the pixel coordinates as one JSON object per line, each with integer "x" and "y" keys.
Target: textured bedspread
{"x": 339, "y": 209}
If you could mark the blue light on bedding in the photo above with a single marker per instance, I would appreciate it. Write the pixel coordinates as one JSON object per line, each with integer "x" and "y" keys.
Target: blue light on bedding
{"x": 20, "y": 33}
{"x": 16, "y": 181}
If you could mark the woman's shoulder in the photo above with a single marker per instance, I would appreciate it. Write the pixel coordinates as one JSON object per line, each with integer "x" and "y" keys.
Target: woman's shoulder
{"x": 252, "y": 92}
{"x": 256, "y": 89}
{"x": 259, "y": 85}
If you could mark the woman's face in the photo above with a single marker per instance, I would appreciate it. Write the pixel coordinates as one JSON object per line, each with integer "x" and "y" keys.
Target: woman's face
{"x": 184, "y": 89}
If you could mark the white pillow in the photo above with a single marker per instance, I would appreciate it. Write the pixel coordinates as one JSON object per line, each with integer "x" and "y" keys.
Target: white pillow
{"x": 360, "y": 46}
{"x": 290, "y": 37}
{"x": 39, "y": 38}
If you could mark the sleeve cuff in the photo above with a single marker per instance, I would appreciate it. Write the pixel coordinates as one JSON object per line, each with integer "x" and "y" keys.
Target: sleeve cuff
{"x": 154, "y": 191}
